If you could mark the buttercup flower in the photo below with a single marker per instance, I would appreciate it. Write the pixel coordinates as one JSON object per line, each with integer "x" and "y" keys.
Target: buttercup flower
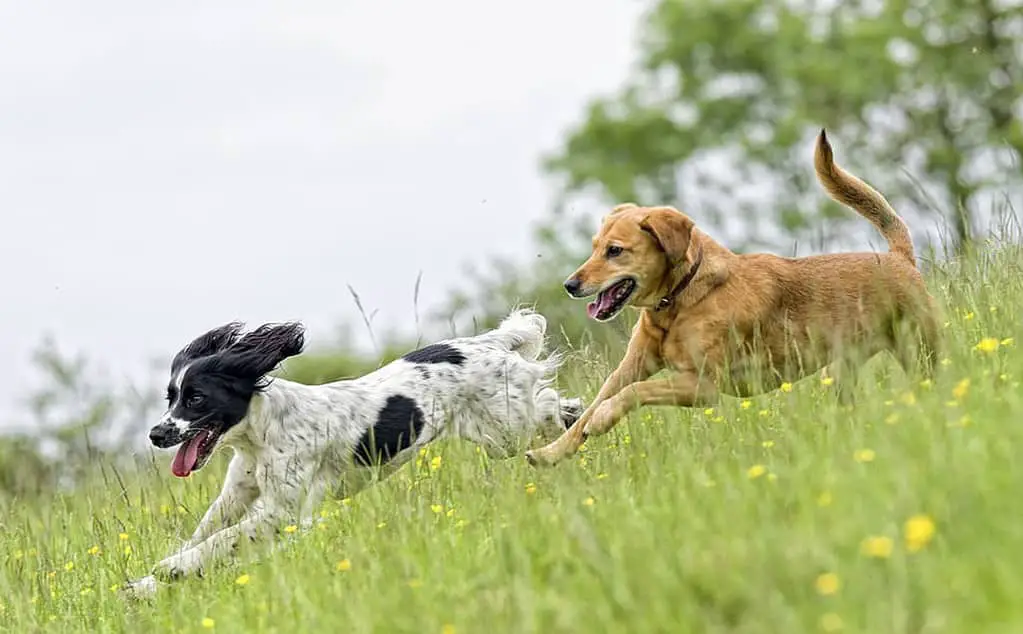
{"x": 879, "y": 547}
{"x": 864, "y": 455}
{"x": 756, "y": 471}
{"x": 987, "y": 345}
{"x": 242, "y": 579}
{"x": 785, "y": 387}
{"x": 961, "y": 389}
{"x": 344, "y": 565}
{"x": 831, "y": 622}
{"x": 919, "y": 531}
{"x": 828, "y": 584}
{"x": 208, "y": 623}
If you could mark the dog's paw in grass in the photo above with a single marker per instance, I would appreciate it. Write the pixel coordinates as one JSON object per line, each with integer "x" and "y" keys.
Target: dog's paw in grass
{"x": 140, "y": 589}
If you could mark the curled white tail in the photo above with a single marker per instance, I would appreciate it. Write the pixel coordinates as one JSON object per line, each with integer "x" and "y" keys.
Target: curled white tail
{"x": 524, "y": 331}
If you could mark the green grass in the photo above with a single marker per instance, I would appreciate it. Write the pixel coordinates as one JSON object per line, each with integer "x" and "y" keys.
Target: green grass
{"x": 657, "y": 527}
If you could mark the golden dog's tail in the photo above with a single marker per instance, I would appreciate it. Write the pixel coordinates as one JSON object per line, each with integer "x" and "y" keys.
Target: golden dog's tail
{"x": 861, "y": 197}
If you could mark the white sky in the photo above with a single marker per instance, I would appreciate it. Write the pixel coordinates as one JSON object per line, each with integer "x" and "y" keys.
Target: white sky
{"x": 167, "y": 167}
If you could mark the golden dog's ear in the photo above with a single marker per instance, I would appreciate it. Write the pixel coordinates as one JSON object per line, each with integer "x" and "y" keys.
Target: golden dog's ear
{"x": 622, "y": 207}
{"x": 671, "y": 229}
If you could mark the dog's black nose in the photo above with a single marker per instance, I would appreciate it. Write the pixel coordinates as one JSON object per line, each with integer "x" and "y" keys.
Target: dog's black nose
{"x": 572, "y": 285}
{"x": 159, "y": 435}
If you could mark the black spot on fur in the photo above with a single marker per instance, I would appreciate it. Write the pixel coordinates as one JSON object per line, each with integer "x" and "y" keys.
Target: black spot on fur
{"x": 398, "y": 425}
{"x": 436, "y": 353}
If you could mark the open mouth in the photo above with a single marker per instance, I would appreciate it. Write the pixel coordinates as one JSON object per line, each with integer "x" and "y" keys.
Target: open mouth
{"x": 611, "y": 300}
{"x": 193, "y": 453}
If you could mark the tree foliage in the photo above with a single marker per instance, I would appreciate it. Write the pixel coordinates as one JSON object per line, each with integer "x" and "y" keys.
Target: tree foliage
{"x": 731, "y": 92}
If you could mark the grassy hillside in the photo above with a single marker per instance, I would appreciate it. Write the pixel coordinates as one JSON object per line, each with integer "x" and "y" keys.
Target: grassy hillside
{"x": 784, "y": 513}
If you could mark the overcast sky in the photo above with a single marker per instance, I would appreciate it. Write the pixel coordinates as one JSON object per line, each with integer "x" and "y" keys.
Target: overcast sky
{"x": 167, "y": 167}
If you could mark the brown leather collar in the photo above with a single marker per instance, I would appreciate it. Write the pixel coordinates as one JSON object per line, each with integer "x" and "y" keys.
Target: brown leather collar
{"x": 687, "y": 279}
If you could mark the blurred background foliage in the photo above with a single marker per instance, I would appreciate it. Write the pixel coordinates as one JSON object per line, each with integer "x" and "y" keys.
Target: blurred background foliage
{"x": 921, "y": 97}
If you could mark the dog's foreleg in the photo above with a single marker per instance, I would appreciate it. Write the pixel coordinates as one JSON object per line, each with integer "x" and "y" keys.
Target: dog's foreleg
{"x": 641, "y": 361}
{"x": 684, "y": 389}
{"x": 238, "y": 493}
{"x": 259, "y": 522}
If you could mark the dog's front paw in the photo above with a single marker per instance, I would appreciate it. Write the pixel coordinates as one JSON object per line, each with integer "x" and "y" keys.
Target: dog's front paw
{"x": 186, "y": 562}
{"x": 140, "y": 589}
{"x": 544, "y": 456}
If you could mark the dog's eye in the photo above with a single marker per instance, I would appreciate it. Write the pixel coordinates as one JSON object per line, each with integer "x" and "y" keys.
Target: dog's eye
{"x": 194, "y": 400}
{"x": 614, "y": 251}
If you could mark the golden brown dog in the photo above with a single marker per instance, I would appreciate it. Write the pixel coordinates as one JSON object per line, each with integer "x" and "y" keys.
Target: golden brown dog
{"x": 739, "y": 325}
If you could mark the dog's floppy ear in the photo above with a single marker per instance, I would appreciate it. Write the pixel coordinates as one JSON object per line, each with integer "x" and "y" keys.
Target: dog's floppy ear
{"x": 671, "y": 229}
{"x": 257, "y": 353}
{"x": 212, "y": 342}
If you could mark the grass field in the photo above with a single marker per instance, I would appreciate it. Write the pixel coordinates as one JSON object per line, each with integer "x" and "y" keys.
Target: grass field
{"x": 785, "y": 513}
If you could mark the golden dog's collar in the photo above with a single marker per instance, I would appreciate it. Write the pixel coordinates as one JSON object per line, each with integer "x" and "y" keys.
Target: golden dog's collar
{"x": 686, "y": 280}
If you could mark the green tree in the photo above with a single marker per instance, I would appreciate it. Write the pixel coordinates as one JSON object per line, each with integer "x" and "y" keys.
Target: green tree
{"x": 731, "y": 92}
{"x": 922, "y": 98}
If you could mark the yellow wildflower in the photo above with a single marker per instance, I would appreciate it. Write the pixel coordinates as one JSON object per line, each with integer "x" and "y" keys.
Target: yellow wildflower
{"x": 785, "y": 387}
{"x": 447, "y": 629}
{"x": 290, "y": 528}
{"x": 961, "y": 389}
{"x": 588, "y": 501}
{"x": 756, "y": 471}
{"x": 919, "y": 531}
{"x": 69, "y": 566}
{"x": 827, "y": 380}
{"x": 828, "y": 584}
{"x": 767, "y": 444}
{"x": 987, "y": 344}
{"x": 435, "y": 462}
{"x": 208, "y": 623}
{"x": 831, "y": 622}
{"x": 123, "y": 537}
{"x": 879, "y": 547}
{"x": 864, "y": 455}
{"x": 344, "y": 565}
{"x": 530, "y": 488}
{"x": 94, "y": 550}
{"x": 746, "y": 404}
{"x": 242, "y": 580}
{"x": 437, "y": 508}
{"x": 709, "y": 411}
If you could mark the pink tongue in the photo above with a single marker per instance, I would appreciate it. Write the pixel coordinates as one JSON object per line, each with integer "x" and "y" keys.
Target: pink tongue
{"x": 188, "y": 455}
{"x": 602, "y": 303}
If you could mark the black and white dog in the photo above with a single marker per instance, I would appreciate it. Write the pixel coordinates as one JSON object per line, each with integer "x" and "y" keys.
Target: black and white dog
{"x": 295, "y": 443}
